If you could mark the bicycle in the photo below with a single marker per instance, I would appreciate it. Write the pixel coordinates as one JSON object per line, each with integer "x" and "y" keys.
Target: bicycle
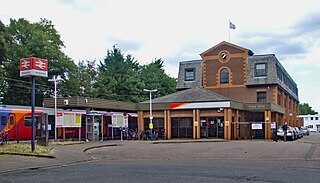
{"x": 163, "y": 134}
{"x": 4, "y": 137}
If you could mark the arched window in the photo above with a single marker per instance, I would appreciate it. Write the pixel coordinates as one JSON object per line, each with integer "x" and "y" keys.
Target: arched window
{"x": 224, "y": 76}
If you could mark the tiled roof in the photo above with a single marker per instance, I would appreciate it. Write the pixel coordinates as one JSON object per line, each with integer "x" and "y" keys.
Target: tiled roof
{"x": 190, "y": 95}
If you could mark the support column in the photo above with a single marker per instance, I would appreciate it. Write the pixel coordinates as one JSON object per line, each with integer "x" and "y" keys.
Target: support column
{"x": 165, "y": 117}
{"x": 227, "y": 123}
{"x": 194, "y": 125}
{"x": 230, "y": 120}
{"x": 169, "y": 126}
{"x": 102, "y": 126}
{"x": 198, "y": 126}
{"x": 267, "y": 126}
{"x": 236, "y": 126}
{"x": 140, "y": 123}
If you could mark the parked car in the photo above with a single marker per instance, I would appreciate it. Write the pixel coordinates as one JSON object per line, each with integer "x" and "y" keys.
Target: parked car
{"x": 290, "y": 133}
{"x": 298, "y": 133}
{"x": 305, "y": 131}
{"x": 295, "y": 132}
{"x": 301, "y": 132}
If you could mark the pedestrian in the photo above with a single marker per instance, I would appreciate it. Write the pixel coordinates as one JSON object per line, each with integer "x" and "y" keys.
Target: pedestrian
{"x": 285, "y": 128}
{"x": 275, "y": 136}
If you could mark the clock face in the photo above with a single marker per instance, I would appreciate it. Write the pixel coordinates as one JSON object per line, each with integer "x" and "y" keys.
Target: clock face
{"x": 224, "y": 56}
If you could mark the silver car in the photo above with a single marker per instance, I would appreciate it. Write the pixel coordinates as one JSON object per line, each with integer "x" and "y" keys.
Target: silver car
{"x": 305, "y": 131}
{"x": 298, "y": 133}
{"x": 290, "y": 133}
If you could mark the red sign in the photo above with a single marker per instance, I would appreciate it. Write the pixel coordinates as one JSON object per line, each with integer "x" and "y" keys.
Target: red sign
{"x": 175, "y": 105}
{"x": 33, "y": 67}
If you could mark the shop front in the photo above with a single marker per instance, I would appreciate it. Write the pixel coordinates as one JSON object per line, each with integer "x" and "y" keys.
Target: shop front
{"x": 208, "y": 115}
{"x": 182, "y": 128}
{"x": 212, "y": 127}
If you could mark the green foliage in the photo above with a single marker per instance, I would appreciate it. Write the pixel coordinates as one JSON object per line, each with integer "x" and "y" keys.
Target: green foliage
{"x": 87, "y": 75}
{"x": 121, "y": 78}
{"x": 5, "y": 40}
{"x": 306, "y": 109}
{"x": 40, "y": 40}
{"x": 154, "y": 77}
{"x": 118, "y": 78}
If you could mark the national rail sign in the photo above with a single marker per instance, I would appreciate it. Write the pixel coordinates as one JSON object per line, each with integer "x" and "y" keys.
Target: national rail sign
{"x": 33, "y": 67}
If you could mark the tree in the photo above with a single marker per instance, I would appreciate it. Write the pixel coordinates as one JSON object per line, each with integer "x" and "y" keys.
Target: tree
{"x": 118, "y": 77}
{"x": 306, "y": 109}
{"x": 41, "y": 40}
{"x": 87, "y": 75}
{"x": 5, "y": 39}
{"x": 154, "y": 77}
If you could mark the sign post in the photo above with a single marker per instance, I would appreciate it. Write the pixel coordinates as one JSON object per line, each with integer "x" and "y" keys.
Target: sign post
{"x": 32, "y": 67}
{"x": 121, "y": 132}
{"x": 33, "y": 96}
{"x": 150, "y": 115}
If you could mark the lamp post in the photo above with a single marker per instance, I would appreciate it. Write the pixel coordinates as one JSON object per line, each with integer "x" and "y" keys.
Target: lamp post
{"x": 55, "y": 79}
{"x": 151, "y": 117}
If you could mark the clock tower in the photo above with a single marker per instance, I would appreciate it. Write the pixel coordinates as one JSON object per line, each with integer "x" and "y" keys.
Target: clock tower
{"x": 224, "y": 67}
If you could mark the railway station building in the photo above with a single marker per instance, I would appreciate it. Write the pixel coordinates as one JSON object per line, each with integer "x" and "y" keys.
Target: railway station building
{"x": 229, "y": 93}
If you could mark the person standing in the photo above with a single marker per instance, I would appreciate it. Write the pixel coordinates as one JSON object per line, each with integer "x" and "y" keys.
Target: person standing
{"x": 285, "y": 128}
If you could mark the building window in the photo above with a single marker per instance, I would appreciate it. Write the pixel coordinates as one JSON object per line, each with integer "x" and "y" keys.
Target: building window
{"x": 311, "y": 118}
{"x": 3, "y": 120}
{"x": 260, "y": 70}
{"x": 224, "y": 76}
{"x": 285, "y": 102}
{"x": 189, "y": 74}
{"x": 279, "y": 73}
{"x": 310, "y": 126}
{"x": 261, "y": 97}
{"x": 316, "y": 118}
{"x": 289, "y": 104}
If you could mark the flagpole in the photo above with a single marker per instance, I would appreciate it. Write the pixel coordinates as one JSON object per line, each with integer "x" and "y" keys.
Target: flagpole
{"x": 229, "y": 30}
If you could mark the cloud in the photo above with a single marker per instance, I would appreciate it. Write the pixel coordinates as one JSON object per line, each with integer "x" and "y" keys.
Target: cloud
{"x": 294, "y": 41}
{"x": 189, "y": 51}
{"x": 263, "y": 42}
{"x": 309, "y": 25}
{"x": 304, "y": 72}
{"x": 83, "y": 5}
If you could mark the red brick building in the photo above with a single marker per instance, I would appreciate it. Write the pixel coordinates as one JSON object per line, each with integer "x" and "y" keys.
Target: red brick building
{"x": 230, "y": 93}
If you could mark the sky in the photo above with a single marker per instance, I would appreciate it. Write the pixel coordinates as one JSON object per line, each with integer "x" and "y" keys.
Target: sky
{"x": 179, "y": 30}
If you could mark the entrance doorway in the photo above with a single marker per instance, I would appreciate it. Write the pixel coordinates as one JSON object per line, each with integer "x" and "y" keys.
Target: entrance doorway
{"x": 212, "y": 127}
{"x": 248, "y": 130}
{"x": 181, "y": 127}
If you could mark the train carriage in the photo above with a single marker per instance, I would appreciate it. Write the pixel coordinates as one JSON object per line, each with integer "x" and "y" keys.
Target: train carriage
{"x": 16, "y": 122}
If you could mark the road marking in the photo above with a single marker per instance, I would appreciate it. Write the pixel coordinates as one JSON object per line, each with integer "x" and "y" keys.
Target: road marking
{"x": 311, "y": 152}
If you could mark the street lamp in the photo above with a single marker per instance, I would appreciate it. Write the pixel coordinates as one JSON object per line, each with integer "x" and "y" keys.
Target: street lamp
{"x": 55, "y": 79}
{"x": 151, "y": 117}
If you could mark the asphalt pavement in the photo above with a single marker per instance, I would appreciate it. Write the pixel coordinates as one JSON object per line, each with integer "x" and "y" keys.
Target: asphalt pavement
{"x": 307, "y": 148}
